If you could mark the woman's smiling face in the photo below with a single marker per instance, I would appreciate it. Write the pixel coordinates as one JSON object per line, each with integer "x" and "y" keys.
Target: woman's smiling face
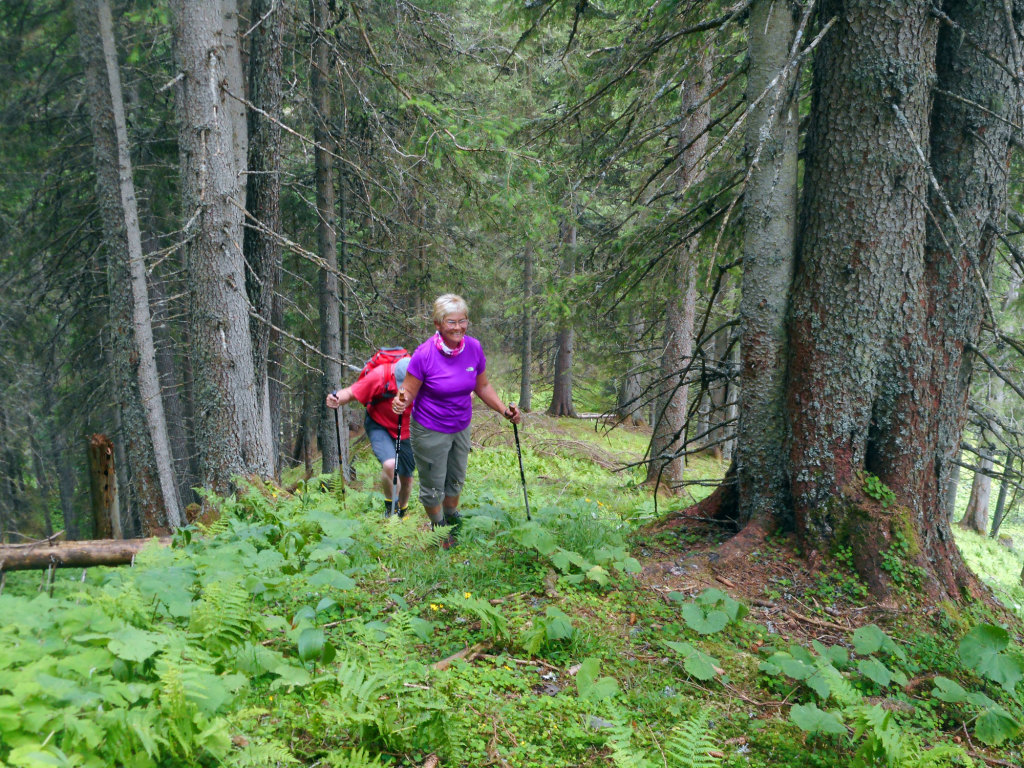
{"x": 453, "y": 328}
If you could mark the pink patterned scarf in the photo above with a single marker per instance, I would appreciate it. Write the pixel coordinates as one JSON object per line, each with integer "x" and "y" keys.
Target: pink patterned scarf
{"x": 444, "y": 349}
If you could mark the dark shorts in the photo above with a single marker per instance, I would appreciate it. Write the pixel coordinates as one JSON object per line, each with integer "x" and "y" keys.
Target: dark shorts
{"x": 383, "y": 445}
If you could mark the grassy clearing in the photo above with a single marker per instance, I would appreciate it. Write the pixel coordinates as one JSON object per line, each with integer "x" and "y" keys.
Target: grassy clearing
{"x": 302, "y": 629}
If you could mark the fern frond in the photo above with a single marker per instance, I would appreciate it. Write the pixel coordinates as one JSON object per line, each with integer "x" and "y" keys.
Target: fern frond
{"x": 840, "y": 688}
{"x": 691, "y": 744}
{"x": 261, "y": 754}
{"x": 624, "y": 753}
{"x": 223, "y": 616}
{"x": 352, "y": 758}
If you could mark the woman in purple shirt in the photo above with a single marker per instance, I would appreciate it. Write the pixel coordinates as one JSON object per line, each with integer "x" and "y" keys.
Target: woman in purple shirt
{"x": 443, "y": 374}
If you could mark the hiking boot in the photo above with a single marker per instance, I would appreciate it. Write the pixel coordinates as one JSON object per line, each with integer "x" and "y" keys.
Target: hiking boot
{"x": 399, "y": 511}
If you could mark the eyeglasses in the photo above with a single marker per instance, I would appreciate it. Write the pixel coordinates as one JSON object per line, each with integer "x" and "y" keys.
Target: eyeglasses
{"x": 456, "y": 323}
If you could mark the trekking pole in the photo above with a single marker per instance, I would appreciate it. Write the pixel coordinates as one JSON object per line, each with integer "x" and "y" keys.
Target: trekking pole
{"x": 522, "y": 475}
{"x": 341, "y": 466}
{"x": 394, "y": 475}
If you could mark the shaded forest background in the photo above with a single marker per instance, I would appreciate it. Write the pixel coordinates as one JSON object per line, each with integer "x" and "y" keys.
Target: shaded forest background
{"x": 582, "y": 173}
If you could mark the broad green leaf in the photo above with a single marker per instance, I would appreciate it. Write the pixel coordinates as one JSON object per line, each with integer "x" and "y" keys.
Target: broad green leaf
{"x": 995, "y": 725}
{"x": 948, "y": 690}
{"x": 133, "y": 644}
{"x": 704, "y": 623}
{"x": 311, "y": 643}
{"x": 809, "y": 718}
{"x": 331, "y": 578}
{"x": 558, "y": 626}
{"x": 590, "y": 686}
{"x": 699, "y": 664}
{"x": 981, "y": 650}
{"x": 630, "y": 565}
{"x": 870, "y": 639}
{"x": 422, "y": 628}
{"x": 875, "y": 671}
{"x": 598, "y": 574}
{"x": 326, "y": 604}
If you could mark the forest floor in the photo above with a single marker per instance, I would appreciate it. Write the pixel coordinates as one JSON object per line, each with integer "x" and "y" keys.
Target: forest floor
{"x": 303, "y": 629}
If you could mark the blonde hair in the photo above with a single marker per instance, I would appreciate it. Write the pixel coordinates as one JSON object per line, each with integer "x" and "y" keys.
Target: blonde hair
{"x": 448, "y": 304}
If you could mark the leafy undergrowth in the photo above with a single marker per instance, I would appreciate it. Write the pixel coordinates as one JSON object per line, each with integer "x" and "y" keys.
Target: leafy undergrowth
{"x": 302, "y": 629}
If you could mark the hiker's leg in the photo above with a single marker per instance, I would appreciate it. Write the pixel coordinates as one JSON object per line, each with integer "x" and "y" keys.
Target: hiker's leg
{"x": 406, "y": 466}
{"x": 431, "y": 451}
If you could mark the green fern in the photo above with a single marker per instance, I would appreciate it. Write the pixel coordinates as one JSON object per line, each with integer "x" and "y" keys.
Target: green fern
{"x": 223, "y": 617}
{"x": 691, "y": 744}
{"x": 624, "y": 753}
{"x": 352, "y": 758}
{"x": 261, "y": 754}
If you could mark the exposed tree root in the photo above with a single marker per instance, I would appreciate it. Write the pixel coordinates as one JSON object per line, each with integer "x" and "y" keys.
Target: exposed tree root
{"x": 751, "y": 537}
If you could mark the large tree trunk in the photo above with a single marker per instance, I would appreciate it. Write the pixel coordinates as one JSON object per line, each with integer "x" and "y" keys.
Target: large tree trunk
{"x": 561, "y": 394}
{"x": 327, "y": 242}
{"x": 263, "y": 183}
{"x": 228, "y": 425}
{"x": 860, "y": 271}
{"x": 769, "y": 227}
{"x": 138, "y": 385}
{"x": 669, "y": 437}
{"x": 526, "y": 348}
{"x": 880, "y": 318}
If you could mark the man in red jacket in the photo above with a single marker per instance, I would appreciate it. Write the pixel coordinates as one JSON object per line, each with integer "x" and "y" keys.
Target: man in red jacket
{"x": 375, "y": 390}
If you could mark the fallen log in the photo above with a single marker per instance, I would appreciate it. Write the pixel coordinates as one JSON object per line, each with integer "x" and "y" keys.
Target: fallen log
{"x": 73, "y": 554}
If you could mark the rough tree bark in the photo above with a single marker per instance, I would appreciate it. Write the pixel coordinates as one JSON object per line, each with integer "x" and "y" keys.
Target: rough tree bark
{"x": 327, "y": 239}
{"x": 103, "y": 490}
{"x": 880, "y": 315}
{"x": 669, "y": 436}
{"x": 227, "y": 415}
{"x": 131, "y": 333}
{"x": 263, "y": 196}
{"x": 769, "y": 231}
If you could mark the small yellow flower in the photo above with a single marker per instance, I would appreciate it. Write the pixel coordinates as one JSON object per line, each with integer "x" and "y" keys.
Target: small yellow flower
{"x": 433, "y": 607}
{"x": 506, "y": 666}
{"x": 467, "y": 595}
{"x": 587, "y": 500}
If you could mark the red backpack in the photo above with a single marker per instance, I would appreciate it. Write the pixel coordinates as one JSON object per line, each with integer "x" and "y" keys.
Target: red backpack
{"x": 385, "y": 356}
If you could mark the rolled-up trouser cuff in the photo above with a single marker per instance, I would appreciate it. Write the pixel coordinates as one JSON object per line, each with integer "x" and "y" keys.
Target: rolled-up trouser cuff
{"x": 441, "y": 460}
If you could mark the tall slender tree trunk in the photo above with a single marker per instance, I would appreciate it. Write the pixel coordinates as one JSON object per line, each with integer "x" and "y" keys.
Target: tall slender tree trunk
{"x": 228, "y": 424}
{"x": 135, "y": 371}
{"x": 669, "y": 437}
{"x": 1004, "y": 486}
{"x": 172, "y": 390}
{"x": 42, "y": 480}
{"x": 327, "y": 243}
{"x": 769, "y": 231}
{"x": 976, "y": 514}
{"x": 561, "y": 395}
{"x": 628, "y": 405}
{"x": 526, "y": 348}
{"x": 263, "y": 194}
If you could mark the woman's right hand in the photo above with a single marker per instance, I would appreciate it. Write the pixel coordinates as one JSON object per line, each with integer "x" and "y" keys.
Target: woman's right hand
{"x": 400, "y": 402}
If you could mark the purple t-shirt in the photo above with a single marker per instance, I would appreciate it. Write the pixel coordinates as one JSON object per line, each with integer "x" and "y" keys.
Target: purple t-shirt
{"x": 444, "y": 402}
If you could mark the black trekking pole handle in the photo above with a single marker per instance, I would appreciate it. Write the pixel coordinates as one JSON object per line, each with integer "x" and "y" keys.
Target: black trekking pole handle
{"x": 522, "y": 475}
{"x": 394, "y": 475}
